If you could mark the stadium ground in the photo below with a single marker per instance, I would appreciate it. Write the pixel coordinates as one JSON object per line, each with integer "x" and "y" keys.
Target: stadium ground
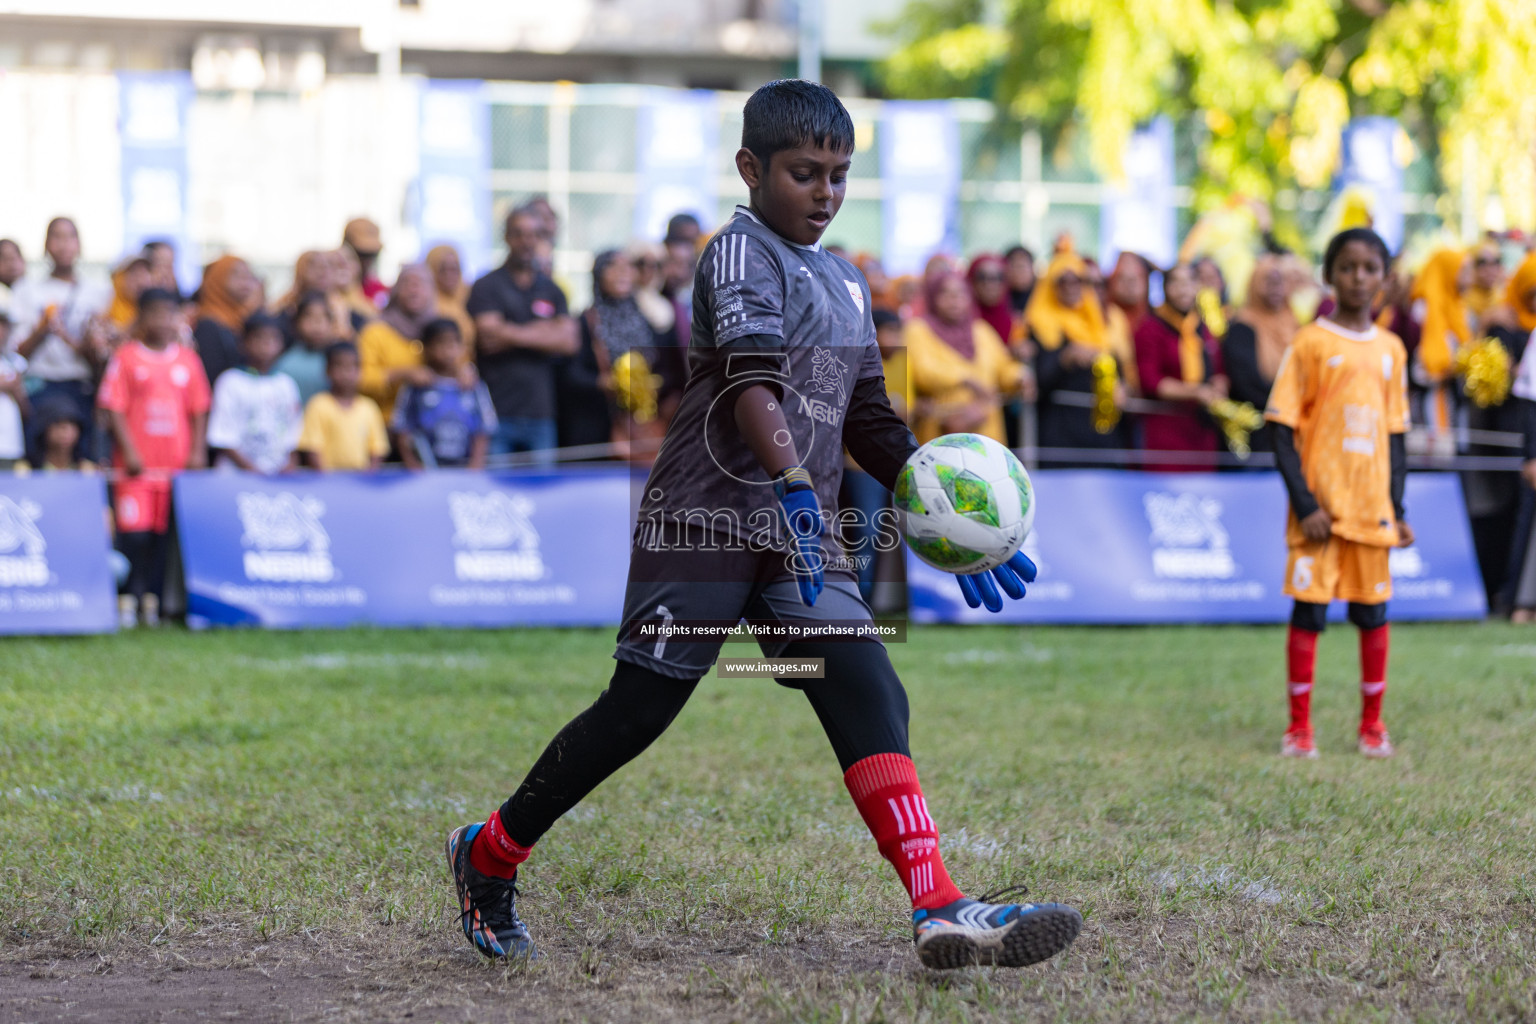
{"x": 249, "y": 825}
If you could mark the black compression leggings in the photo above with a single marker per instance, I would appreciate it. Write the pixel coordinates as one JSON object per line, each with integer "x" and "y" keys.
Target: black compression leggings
{"x": 860, "y": 702}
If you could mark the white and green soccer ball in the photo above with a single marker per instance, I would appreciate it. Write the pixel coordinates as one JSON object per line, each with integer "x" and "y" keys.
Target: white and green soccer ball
{"x": 966, "y": 503}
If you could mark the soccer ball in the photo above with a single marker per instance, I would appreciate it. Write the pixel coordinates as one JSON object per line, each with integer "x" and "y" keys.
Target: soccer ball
{"x": 966, "y": 503}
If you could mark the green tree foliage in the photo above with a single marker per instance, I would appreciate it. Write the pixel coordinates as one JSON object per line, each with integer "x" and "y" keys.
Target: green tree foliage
{"x": 1272, "y": 81}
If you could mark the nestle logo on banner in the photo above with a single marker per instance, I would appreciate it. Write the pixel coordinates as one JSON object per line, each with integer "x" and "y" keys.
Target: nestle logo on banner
{"x": 21, "y": 544}
{"x": 284, "y": 540}
{"x": 499, "y": 541}
{"x": 1188, "y": 540}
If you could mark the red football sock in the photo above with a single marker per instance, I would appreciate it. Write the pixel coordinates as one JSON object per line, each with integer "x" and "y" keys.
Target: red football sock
{"x": 1374, "y": 645}
{"x": 884, "y": 788}
{"x": 1301, "y": 661}
{"x": 494, "y": 853}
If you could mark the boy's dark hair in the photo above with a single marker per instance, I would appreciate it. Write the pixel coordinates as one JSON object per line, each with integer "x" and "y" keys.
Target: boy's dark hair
{"x": 437, "y": 328}
{"x": 885, "y": 318}
{"x": 336, "y": 351}
{"x": 792, "y": 112}
{"x": 1339, "y": 241}
{"x": 155, "y": 244}
{"x": 1014, "y": 250}
{"x": 262, "y": 320}
{"x": 310, "y": 299}
{"x": 152, "y": 296}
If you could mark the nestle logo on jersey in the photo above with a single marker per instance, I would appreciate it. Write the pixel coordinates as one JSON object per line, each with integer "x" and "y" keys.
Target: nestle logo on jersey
{"x": 821, "y": 412}
{"x": 728, "y": 299}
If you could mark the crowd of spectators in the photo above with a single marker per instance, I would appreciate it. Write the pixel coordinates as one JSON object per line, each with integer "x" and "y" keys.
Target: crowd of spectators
{"x": 1162, "y": 368}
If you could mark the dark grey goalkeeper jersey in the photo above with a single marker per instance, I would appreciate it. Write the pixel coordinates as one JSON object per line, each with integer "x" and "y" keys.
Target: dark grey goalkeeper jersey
{"x": 765, "y": 311}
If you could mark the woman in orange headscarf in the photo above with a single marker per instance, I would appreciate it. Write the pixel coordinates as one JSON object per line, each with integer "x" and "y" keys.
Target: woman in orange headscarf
{"x": 228, "y": 295}
{"x": 959, "y": 367}
{"x": 128, "y": 281}
{"x": 1439, "y": 307}
{"x": 1067, "y": 327}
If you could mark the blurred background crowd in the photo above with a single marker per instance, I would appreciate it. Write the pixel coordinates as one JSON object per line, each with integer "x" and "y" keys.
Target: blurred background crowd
{"x": 1092, "y": 260}
{"x": 1165, "y": 368}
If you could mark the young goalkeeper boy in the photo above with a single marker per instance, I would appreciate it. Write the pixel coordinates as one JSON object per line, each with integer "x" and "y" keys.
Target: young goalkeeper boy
{"x": 1340, "y": 410}
{"x": 785, "y": 372}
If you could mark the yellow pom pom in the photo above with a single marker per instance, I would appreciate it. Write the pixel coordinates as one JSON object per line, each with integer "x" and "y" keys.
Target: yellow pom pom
{"x": 635, "y": 386}
{"x": 1237, "y": 422}
{"x": 1484, "y": 369}
{"x": 1106, "y": 412}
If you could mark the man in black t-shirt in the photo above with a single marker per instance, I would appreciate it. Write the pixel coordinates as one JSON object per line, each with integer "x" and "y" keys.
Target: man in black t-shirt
{"x": 522, "y": 325}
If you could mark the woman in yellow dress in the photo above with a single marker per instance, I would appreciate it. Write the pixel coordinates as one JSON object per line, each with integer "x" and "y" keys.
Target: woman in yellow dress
{"x": 960, "y": 368}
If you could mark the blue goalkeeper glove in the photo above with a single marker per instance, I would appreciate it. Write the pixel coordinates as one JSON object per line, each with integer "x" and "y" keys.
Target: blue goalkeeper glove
{"x": 802, "y": 513}
{"x": 1011, "y": 576}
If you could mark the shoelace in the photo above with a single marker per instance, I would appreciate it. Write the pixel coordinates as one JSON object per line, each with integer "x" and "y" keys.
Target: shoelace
{"x": 515, "y": 922}
{"x": 993, "y": 897}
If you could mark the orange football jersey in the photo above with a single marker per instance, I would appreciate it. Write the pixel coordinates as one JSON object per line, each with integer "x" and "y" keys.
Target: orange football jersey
{"x": 1344, "y": 393}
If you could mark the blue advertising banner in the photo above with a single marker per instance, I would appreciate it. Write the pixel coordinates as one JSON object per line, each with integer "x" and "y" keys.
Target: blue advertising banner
{"x": 920, "y": 183}
{"x": 675, "y": 137}
{"x": 152, "y": 126}
{"x": 55, "y": 576}
{"x": 1125, "y": 547}
{"x": 1137, "y": 215}
{"x": 1369, "y": 161}
{"x": 453, "y": 200}
{"x": 451, "y": 547}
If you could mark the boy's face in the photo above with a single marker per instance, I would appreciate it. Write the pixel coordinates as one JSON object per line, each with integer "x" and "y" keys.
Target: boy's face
{"x": 262, "y": 347}
{"x": 157, "y": 323}
{"x": 800, "y": 190}
{"x": 445, "y": 354}
{"x": 1357, "y": 275}
{"x": 888, "y": 338}
{"x": 343, "y": 371}
{"x": 313, "y": 326}
{"x": 62, "y": 436}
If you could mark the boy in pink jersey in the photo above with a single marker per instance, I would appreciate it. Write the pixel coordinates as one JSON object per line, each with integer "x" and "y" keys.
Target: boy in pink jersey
{"x": 155, "y": 395}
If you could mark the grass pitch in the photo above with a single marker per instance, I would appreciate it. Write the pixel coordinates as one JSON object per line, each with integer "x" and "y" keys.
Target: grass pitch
{"x": 251, "y": 824}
